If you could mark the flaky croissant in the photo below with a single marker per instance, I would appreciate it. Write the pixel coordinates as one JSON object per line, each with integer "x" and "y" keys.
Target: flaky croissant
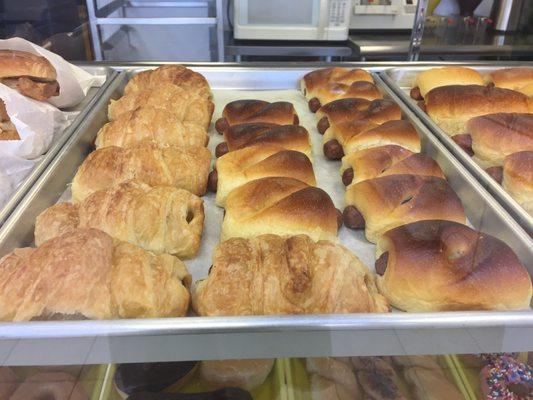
{"x": 162, "y": 219}
{"x": 86, "y": 274}
{"x": 270, "y": 274}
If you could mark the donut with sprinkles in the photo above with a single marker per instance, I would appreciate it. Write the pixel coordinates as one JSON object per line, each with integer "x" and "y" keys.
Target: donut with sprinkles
{"x": 504, "y": 378}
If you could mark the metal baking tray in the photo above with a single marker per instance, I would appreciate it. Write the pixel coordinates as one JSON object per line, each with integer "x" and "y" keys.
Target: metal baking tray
{"x": 83, "y": 108}
{"x": 201, "y": 338}
{"x": 401, "y": 80}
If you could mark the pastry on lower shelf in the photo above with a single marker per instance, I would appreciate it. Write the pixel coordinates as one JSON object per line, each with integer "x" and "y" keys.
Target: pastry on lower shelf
{"x": 221, "y": 394}
{"x": 377, "y": 378}
{"x": 8, "y": 131}
{"x": 8, "y": 382}
{"x": 518, "y": 178}
{"x": 386, "y": 160}
{"x": 512, "y": 78}
{"x": 352, "y": 109}
{"x": 181, "y": 167}
{"x": 85, "y": 274}
{"x": 326, "y": 389}
{"x": 450, "y": 107}
{"x": 272, "y": 275}
{"x": 50, "y": 385}
{"x": 428, "y": 362}
{"x": 390, "y": 201}
{"x": 504, "y": 377}
{"x": 260, "y": 161}
{"x": 289, "y": 137}
{"x": 332, "y": 379}
{"x": 282, "y": 206}
{"x": 254, "y": 111}
{"x": 161, "y": 219}
{"x": 152, "y": 377}
{"x": 445, "y": 76}
{"x": 149, "y": 124}
{"x": 446, "y": 266}
{"x": 431, "y": 384}
{"x": 243, "y": 374}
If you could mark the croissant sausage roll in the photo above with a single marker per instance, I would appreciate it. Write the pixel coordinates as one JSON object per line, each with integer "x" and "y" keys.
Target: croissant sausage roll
{"x": 334, "y": 91}
{"x": 446, "y": 266}
{"x": 162, "y": 219}
{"x": 177, "y": 75}
{"x": 518, "y": 178}
{"x": 352, "y": 136}
{"x": 437, "y": 77}
{"x": 495, "y": 136}
{"x": 290, "y": 137}
{"x": 272, "y": 275}
{"x": 282, "y": 206}
{"x": 186, "y": 106}
{"x": 390, "y": 201}
{"x": 85, "y": 274}
{"x": 148, "y": 124}
{"x": 252, "y": 111}
{"x": 452, "y": 106}
{"x": 386, "y": 160}
{"x": 512, "y": 78}
{"x": 181, "y": 167}
{"x": 238, "y": 167}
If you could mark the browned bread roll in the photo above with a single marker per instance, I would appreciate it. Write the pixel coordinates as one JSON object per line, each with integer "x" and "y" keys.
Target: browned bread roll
{"x": 244, "y": 374}
{"x": 162, "y": 219}
{"x": 387, "y": 160}
{"x": 359, "y": 135}
{"x": 236, "y": 168}
{"x": 177, "y": 75}
{"x": 290, "y": 137}
{"x": 85, "y": 274}
{"x": 182, "y": 167}
{"x": 269, "y": 274}
{"x": 437, "y": 77}
{"x": 431, "y": 384}
{"x": 253, "y": 111}
{"x": 377, "y": 378}
{"x": 518, "y": 178}
{"x": 186, "y": 106}
{"x": 30, "y": 74}
{"x": 335, "y": 91}
{"x": 8, "y": 131}
{"x": 323, "y": 388}
{"x": 337, "y": 381}
{"x": 282, "y": 206}
{"x": 452, "y": 106}
{"x": 512, "y": 78}
{"x": 495, "y": 136}
{"x": 390, "y": 201}
{"x": 339, "y": 111}
{"x": 152, "y": 125}
{"x": 446, "y": 266}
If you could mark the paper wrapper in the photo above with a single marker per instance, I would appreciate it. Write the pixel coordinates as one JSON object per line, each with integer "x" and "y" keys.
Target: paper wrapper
{"x": 12, "y": 171}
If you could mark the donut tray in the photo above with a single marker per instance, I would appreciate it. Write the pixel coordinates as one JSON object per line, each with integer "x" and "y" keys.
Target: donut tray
{"x": 402, "y": 79}
{"x": 204, "y": 338}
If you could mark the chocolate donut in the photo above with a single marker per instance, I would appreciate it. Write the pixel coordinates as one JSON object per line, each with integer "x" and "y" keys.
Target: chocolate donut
{"x": 50, "y": 386}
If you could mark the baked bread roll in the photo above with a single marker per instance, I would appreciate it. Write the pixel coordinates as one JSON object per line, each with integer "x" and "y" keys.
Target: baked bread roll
{"x": 431, "y": 384}
{"x": 8, "y": 131}
{"x": 326, "y": 389}
{"x": 446, "y": 76}
{"x": 339, "y": 111}
{"x": 162, "y": 219}
{"x": 495, "y": 136}
{"x": 260, "y": 161}
{"x": 386, "y": 160}
{"x": 334, "y": 91}
{"x": 349, "y": 137}
{"x": 377, "y": 378}
{"x": 253, "y": 111}
{"x": 289, "y": 137}
{"x": 272, "y": 275}
{"x": 446, "y": 266}
{"x": 282, "y": 206}
{"x": 340, "y": 379}
{"x": 528, "y": 91}
{"x": 452, "y": 106}
{"x": 182, "y": 167}
{"x": 152, "y": 125}
{"x": 518, "y": 178}
{"x": 186, "y": 106}
{"x": 85, "y": 274}
{"x": 244, "y": 374}
{"x": 177, "y": 75}
{"x": 512, "y": 78}
{"x": 29, "y": 74}
{"x": 390, "y": 201}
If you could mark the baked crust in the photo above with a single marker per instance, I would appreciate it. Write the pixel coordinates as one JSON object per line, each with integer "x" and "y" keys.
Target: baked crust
{"x": 445, "y": 76}
{"x": 518, "y": 178}
{"x": 14, "y": 63}
{"x": 512, "y": 78}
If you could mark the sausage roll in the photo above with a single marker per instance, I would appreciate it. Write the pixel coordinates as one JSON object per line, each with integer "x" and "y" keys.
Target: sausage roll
{"x": 512, "y": 78}
{"x": 518, "y": 178}
{"x": 437, "y": 77}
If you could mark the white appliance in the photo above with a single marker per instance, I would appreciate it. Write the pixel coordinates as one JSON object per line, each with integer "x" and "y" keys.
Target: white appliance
{"x": 291, "y": 19}
{"x": 383, "y": 14}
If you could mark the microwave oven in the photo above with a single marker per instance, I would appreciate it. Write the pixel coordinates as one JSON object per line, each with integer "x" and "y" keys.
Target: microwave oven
{"x": 291, "y": 19}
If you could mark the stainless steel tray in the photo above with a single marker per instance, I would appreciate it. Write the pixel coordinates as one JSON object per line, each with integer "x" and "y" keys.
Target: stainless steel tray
{"x": 83, "y": 109}
{"x": 401, "y": 80}
{"x": 171, "y": 339}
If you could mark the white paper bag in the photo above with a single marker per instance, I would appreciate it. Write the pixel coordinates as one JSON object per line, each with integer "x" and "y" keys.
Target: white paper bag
{"x": 13, "y": 170}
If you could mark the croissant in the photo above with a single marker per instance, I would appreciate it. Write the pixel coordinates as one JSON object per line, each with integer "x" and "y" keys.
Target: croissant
{"x": 182, "y": 167}
{"x": 186, "y": 106}
{"x": 162, "y": 219}
{"x": 85, "y": 274}
{"x": 270, "y": 274}
{"x": 282, "y": 206}
{"x": 148, "y": 124}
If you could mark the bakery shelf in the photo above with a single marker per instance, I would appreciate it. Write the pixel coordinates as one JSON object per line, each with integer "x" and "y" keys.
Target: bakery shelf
{"x": 402, "y": 79}
{"x": 203, "y": 338}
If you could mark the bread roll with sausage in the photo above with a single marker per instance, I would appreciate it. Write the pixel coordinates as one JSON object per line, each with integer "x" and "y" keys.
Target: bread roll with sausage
{"x": 445, "y": 76}
{"x": 334, "y": 91}
{"x": 512, "y": 78}
{"x": 518, "y": 178}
